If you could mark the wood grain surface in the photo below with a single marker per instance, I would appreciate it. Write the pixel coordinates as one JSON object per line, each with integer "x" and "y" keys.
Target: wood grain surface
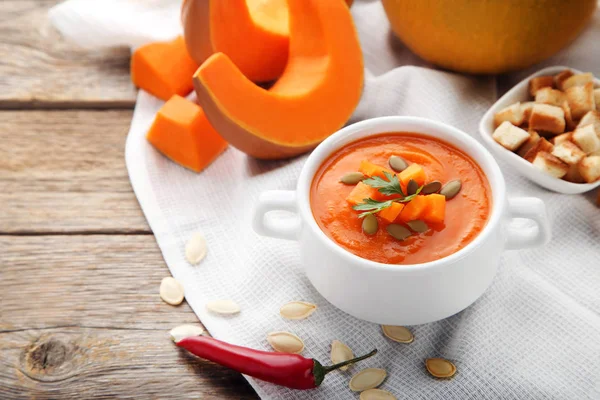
{"x": 80, "y": 270}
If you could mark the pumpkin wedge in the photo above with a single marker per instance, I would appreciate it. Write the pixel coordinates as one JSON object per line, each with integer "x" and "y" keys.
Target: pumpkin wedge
{"x": 253, "y": 33}
{"x": 316, "y": 95}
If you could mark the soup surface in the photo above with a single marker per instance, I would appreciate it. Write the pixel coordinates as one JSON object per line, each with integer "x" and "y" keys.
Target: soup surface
{"x": 465, "y": 215}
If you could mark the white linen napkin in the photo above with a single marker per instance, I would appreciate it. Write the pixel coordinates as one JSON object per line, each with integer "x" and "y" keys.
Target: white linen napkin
{"x": 535, "y": 334}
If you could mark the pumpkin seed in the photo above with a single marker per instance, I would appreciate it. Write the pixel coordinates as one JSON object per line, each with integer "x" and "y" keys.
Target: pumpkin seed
{"x": 195, "y": 249}
{"x": 451, "y": 189}
{"x": 398, "y": 334}
{"x": 184, "y": 331}
{"x": 297, "y": 310}
{"x": 377, "y": 394}
{"x": 418, "y": 226}
{"x": 340, "y": 353}
{"x": 171, "y": 291}
{"x": 370, "y": 224}
{"x": 398, "y": 232}
{"x": 398, "y": 163}
{"x": 367, "y": 379}
{"x": 285, "y": 342}
{"x": 432, "y": 187}
{"x": 352, "y": 178}
{"x": 440, "y": 368}
{"x": 412, "y": 187}
{"x": 226, "y": 307}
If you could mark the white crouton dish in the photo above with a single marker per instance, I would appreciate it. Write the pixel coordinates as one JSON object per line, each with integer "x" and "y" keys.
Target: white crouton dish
{"x": 547, "y": 127}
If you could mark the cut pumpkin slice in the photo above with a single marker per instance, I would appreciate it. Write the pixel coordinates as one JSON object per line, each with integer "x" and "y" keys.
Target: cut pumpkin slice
{"x": 316, "y": 95}
{"x": 253, "y": 33}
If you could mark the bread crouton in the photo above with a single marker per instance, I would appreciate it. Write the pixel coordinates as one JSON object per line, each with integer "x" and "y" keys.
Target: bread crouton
{"x": 562, "y": 137}
{"x": 587, "y": 139}
{"x": 545, "y": 117}
{"x": 597, "y": 98}
{"x": 589, "y": 168}
{"x": 581, "y": 100}
{"x": 550, "y": 164}
{"x": 573, "y": 175}
{"x": 578, "y": 80}
{"x": 526, "y": 108}
{"x": 591, "y": 118}
{"x": 568, "y": 152}
{"x": 510, "y": 136}
{"x": 569, "y": 123}
{"x": 561, "y": 77}
{"x": 539, "y": 82}
{"x": 512, "y": 114}
{"x": 551, "y": 96}
{"x": 529, "y": 143}
{"x": 540, "y": 145}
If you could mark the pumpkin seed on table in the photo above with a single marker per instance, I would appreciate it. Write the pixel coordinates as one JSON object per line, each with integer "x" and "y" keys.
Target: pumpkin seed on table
{"x": 184, "y": 331}
{"x": 377, "y": 394}
{"x": 412, "y": 187}
{"x": 398, "y": 232}
{"x": 440, "y": 368}
{"x": 397, "y": 163}
{"x": 367, "y": 379}
{"x": 225, "y": 307}
{"x": 340, "y": 353}
{"x": 370, "y": 224}
{"x": 418, "y": 226}
{"x": 451, "y": 189}
{"x": 285, "y": 342}
{"x": 297, "y": 310}
{"x": 171, "y": 291}
{"x": 195, "y": 249}
{"x": 432, "y": 187}
{"x": 398, "y": 334}
{"x": 352, "y": 178}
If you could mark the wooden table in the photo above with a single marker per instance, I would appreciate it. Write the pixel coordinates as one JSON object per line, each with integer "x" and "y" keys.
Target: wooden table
{"x": 80, "y": 314}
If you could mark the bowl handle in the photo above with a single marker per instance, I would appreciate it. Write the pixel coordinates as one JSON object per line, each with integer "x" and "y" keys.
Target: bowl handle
{"x": 533, "y": 209}
{"x": 276, "y": 227}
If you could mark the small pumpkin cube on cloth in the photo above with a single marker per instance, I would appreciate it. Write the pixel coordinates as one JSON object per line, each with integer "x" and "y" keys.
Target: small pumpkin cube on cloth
{"x": 182, "y": 133}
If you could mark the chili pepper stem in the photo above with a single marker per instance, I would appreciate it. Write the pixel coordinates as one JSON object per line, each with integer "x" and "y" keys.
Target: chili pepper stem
{"x": 319, "y": 371}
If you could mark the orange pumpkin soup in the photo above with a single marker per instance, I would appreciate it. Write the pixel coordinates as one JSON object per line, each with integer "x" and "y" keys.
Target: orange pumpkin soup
{"x": 446, "y": 223}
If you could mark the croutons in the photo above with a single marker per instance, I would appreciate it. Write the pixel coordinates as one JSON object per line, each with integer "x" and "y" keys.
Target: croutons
{"x": 591, "y": 118}
{"x": 597, "y": 98}
{"x": 569, "y": 123}
{"x": 568, "y": 152}
{"x": 589, "y": 168}
{"x": 577, "y": 80}
{"x": 561, "y": 77}
{"x": 510, "y": 136}
{"x": 512, "y": 114}
{"x": 539, "y": 82}
{"x": 550, "y": 164}
{"x": 573, "y": 175}
{"x": 526, "y": 108}
{"x": 587, "y": 139}
{"x": 529, "y": 143}
{"x": 547, "y": 118}
{"x": 550, "y": 96}
{"x": 540, "y": 145}
{"x": 581, "y": 100}
{"x": 562, "y": 137}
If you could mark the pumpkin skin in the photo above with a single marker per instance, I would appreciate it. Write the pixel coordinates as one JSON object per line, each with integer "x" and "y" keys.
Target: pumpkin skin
{"x": 487, "y": 36}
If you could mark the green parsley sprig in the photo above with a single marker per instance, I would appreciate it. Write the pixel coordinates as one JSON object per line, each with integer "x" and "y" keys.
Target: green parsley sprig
{"x": 388, "y": 187}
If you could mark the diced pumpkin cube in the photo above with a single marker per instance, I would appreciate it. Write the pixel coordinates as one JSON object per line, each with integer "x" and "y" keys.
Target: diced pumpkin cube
{"x": 182, "y": 132}
{"x": 414, "y": 209}
{"x": 391, "y": 213}
{"x": 436, "y": 212}
{"x": 415, "y": 172}
{"x": 370, "y": 169}
{"x": 163, "y": 69}
{"x": 360, "y": 192}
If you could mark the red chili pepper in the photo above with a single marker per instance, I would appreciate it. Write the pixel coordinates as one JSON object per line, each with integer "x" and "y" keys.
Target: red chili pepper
{"x": 289, "y": 370}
